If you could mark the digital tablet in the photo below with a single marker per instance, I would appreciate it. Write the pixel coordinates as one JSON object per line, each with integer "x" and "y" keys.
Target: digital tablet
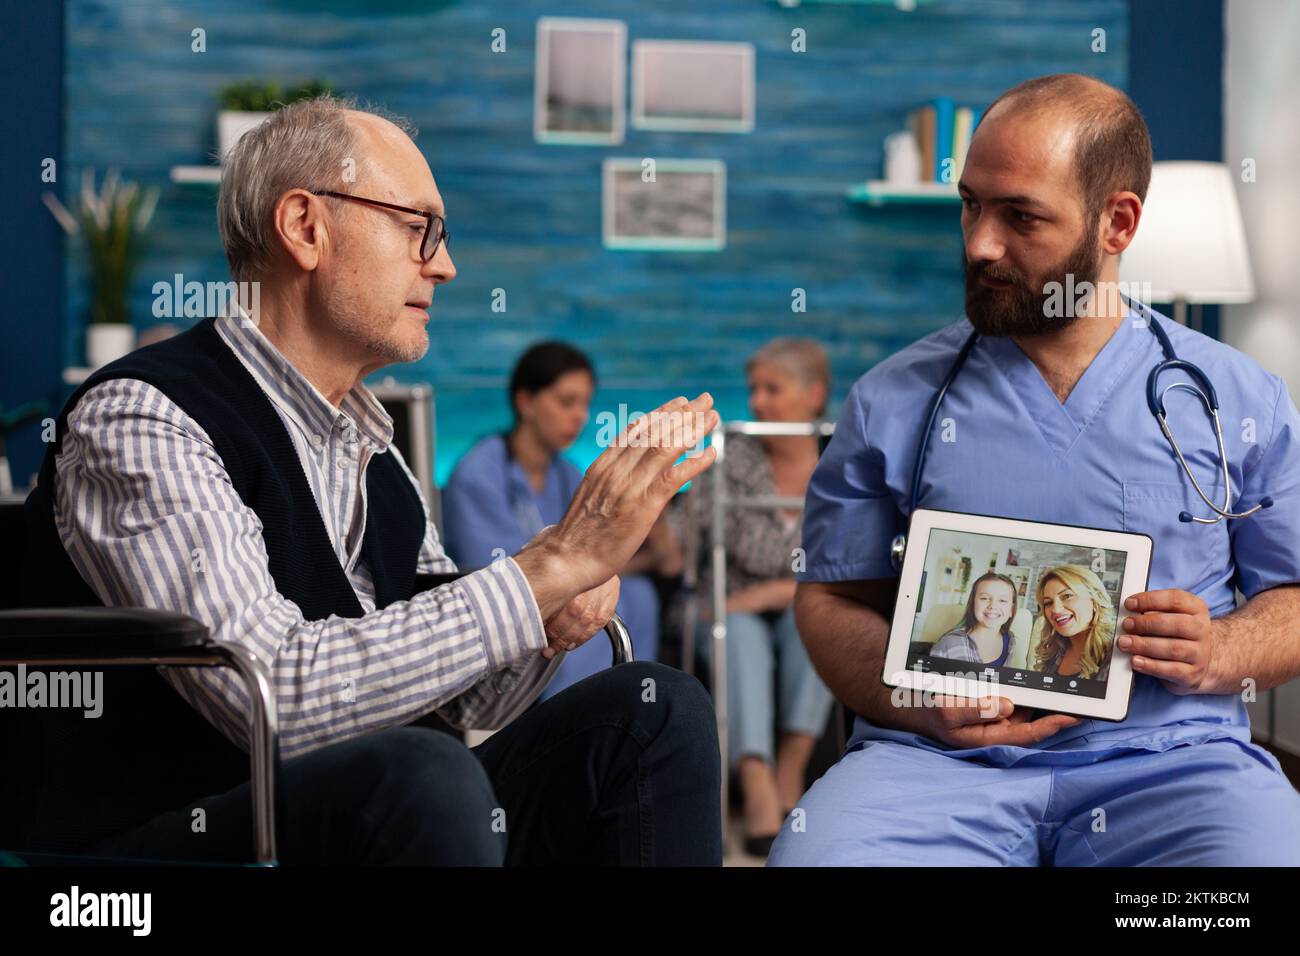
{"x": 1018, "y": 609}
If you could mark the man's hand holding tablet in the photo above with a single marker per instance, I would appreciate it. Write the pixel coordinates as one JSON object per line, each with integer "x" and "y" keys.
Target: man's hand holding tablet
{"x": 1173, "y": 638}
{"x": 985, "y": 722}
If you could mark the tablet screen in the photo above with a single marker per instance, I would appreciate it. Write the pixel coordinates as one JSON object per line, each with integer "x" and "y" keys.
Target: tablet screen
{"x": 1017, "y": 611}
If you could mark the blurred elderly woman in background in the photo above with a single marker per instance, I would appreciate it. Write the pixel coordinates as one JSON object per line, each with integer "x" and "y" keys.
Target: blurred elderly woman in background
{"x": 769, "y": 676}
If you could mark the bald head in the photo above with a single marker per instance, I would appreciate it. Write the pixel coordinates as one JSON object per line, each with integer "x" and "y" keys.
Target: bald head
{"x": 378, "y": 137}
{"x": 1102, "y": 129}
{"x": 389, "y": 166}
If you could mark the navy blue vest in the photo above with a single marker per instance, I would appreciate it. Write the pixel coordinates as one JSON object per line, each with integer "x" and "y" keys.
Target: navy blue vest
{"x": 148, "y": 739}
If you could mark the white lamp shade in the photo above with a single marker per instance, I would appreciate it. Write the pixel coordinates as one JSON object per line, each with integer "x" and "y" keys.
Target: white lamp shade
{"x": 1190, "y": 243}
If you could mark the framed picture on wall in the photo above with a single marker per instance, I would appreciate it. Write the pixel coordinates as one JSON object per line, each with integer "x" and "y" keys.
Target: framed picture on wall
{"x": 665, "y": 204}
{"x": 692, "y": 85}
{"x": 580, "y": 81}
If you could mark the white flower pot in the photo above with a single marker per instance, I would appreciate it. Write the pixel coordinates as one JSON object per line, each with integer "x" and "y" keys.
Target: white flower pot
{"x": 108, "y": 341}
{"x": 232, "y": 124}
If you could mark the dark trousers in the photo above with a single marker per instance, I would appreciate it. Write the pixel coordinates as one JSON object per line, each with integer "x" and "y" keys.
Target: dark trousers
{"x": 620, "y": 769}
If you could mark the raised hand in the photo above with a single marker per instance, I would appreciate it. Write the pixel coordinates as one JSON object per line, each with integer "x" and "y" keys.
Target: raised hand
{"x": 618, "y": 501}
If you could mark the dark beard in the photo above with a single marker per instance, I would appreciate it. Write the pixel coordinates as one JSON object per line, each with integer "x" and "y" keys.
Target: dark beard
{"x": 1021, "y": 309}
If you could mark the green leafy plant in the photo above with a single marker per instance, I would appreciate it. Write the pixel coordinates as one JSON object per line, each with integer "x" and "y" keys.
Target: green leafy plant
{"x": 112, "y": 223}
{"x": 255, "y": 97}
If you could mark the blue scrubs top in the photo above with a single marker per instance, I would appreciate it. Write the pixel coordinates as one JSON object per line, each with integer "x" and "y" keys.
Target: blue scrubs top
{"x": 490, "y": 509}
{"x": 1098, "y": 459}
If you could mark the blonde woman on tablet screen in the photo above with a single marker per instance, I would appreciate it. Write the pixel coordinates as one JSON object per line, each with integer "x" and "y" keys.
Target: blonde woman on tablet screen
{"x": 1077, "y": 625}
{"x": 984, "y": 635}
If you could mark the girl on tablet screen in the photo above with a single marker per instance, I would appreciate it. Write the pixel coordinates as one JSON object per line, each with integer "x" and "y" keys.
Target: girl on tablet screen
{"x": 1077, "y": 624}
{"x": 984, "y": 635}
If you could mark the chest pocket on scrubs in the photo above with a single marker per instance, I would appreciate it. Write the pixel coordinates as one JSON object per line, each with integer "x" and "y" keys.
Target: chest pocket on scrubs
{"x": 1152, "y": 507}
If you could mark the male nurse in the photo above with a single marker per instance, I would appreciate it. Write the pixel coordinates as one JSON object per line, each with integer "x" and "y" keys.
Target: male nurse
{"x": 1049, "y": 422}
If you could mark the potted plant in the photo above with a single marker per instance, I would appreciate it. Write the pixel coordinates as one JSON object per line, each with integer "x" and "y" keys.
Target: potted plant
{"x": 112, "y": 223}
{"x": 246, "y": 104}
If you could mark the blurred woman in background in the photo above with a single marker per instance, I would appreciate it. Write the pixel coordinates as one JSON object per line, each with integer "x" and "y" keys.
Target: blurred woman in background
{"x": 509, "y": 486}
{"x": 789, "y": 381}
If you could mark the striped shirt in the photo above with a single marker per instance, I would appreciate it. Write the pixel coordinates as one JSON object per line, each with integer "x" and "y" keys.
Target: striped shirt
{"x": 958, "y": 645}
{"x": 142, "y": 502}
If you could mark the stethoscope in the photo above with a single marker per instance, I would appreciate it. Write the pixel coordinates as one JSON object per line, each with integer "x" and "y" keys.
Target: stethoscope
{"x": 1155, "y": 402}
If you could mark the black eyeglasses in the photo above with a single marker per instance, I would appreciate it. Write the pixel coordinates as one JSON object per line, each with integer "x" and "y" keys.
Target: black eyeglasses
{"x": 435, "y": 229}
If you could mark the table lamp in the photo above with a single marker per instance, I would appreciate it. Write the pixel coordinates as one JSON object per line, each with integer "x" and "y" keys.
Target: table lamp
{"x": 1190, "y": 246}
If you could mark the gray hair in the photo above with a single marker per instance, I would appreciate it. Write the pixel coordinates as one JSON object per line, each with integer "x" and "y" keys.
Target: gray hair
{"x": 802, "y": 359}
{"x": 300, "y": 146}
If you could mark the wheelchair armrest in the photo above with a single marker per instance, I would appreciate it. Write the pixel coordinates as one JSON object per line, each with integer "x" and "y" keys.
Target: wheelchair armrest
{"x": 620, "y": 641}
{"x": 101, "y": 633}
{"x": 135, "y": 636}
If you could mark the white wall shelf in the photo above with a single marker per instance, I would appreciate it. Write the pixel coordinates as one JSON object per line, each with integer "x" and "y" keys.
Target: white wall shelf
{"x": 878, "y": 192}
{"x": 196, "y": 175}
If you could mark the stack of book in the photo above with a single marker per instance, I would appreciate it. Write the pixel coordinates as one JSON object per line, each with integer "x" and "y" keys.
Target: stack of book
{"x": 942, "y": 132}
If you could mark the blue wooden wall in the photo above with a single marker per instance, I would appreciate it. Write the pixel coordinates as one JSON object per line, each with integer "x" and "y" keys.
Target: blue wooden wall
{"x": 31, "y": 326}
{"x": 526, "y": 217}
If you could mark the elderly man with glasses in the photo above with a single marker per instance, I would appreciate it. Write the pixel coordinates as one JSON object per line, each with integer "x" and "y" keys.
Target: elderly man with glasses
{"x": 242, "y": 474}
